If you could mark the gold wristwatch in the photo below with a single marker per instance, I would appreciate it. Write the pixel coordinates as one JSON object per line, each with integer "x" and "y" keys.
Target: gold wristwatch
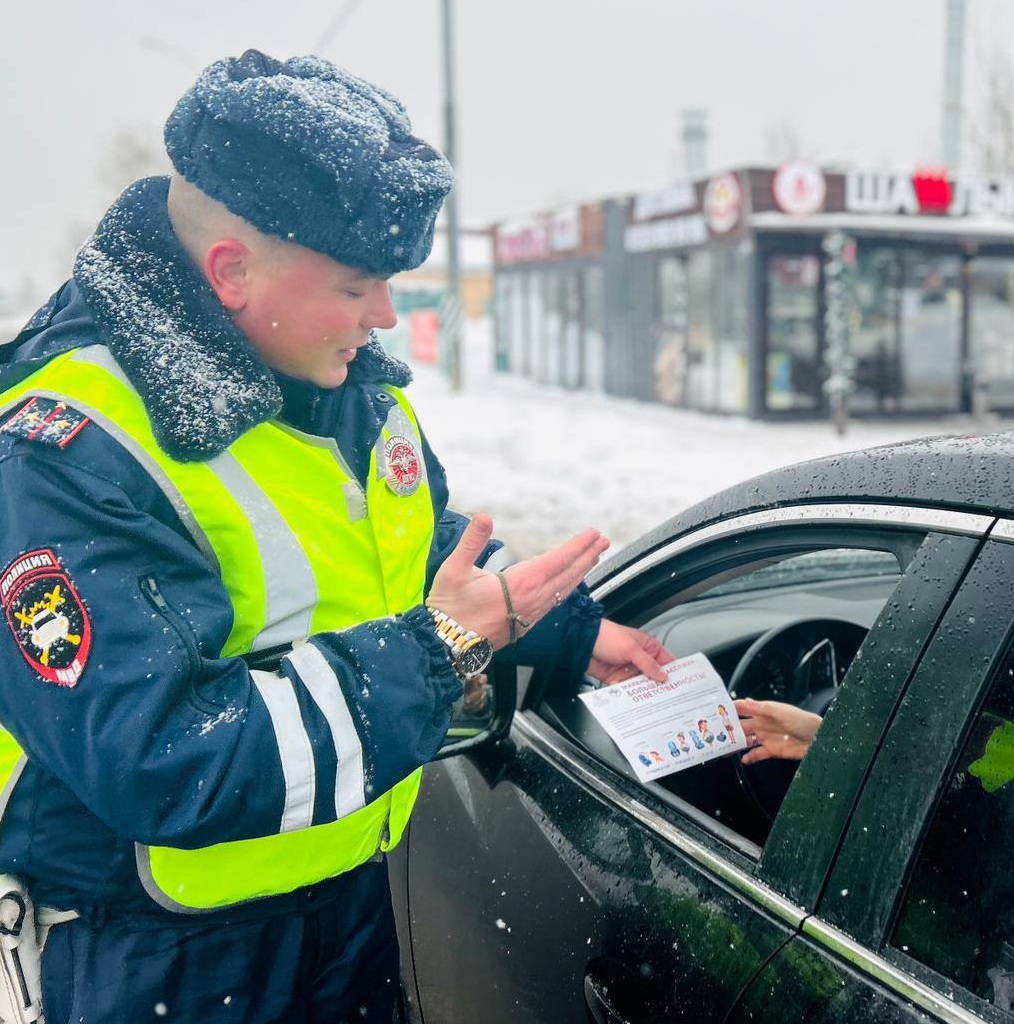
{"x": 470, "y": 653}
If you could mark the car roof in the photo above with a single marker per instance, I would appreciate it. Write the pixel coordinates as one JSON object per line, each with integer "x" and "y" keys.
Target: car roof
{"x": 970, "y": 473}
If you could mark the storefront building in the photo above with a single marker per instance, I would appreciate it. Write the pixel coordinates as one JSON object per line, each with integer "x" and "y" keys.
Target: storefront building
{"x": 719, "y": 295}
{"x": 548, "y": 297}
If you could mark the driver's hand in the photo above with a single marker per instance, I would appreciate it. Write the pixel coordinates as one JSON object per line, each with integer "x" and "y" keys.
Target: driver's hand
{"x": 774, "y": 729}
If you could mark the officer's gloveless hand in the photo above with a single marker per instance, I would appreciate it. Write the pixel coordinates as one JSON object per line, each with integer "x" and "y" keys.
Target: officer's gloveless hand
{"x": 473, "y": 597}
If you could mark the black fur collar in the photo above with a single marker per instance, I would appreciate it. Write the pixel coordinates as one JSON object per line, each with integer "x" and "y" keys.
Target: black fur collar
{"x": 202, "y": 384}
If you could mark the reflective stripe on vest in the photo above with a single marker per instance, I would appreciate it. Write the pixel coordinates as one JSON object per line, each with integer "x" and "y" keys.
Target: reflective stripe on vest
{"x": 295, "y": 560}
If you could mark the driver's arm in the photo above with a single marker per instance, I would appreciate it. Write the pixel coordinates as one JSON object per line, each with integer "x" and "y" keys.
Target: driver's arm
{"x": 775, "y": 729}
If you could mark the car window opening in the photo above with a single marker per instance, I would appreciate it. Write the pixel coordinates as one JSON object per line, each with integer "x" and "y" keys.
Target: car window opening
{"x": 783, "y": 627}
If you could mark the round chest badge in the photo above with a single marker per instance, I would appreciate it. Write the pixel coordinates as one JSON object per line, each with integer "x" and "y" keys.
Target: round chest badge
{"x": 404, "y": 468}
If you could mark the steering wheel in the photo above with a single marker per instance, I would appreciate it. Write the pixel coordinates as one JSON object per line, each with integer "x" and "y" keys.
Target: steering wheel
{"x": 801, "y": 663}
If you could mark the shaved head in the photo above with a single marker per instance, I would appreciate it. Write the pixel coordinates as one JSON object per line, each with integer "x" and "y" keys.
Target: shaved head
{"x": 200, "y": 221}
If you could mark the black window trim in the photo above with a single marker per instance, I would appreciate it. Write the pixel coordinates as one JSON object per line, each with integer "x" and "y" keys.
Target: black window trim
{"x": 833, "y": 940}
{"x": 922, "y": 985}
{"x": 911, "y": 517}
{"x": 853, "y": 517}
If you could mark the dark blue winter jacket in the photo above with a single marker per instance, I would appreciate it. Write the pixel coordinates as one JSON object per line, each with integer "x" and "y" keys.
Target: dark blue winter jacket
{"x": 161, "y": 741}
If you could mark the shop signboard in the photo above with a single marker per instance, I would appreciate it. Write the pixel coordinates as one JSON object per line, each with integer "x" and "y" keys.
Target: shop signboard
{"x": 723, "y": 203}
{"x": 675, "y": 198}
{"x": 570, "y": 231}
{"x": 929, "y": 192}
{"x": 799, "y": 188}
{"x": 671, "y": 233}
{"x": 522, "y": 241}
{"x": 565, "y": 229}
{"x": 685, "y": 214}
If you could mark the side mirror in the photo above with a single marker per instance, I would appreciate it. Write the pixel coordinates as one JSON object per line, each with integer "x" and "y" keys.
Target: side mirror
{"x": 483, "y": 715}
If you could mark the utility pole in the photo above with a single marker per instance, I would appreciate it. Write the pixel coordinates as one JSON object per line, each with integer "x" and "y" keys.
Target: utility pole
{"x": 954, "y": 59}
{"x": 450, "y": 310}
{"x": 695, "y": 142}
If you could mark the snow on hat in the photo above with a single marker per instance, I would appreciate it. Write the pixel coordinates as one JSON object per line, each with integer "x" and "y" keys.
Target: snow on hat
{"x": 303, "y": 150}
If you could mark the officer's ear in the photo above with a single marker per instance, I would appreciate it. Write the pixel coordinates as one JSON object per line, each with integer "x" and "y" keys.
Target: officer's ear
{"x": 227, "y": 268}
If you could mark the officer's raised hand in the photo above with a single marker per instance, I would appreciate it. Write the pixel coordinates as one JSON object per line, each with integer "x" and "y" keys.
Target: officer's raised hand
{"x": 475, "y": 598}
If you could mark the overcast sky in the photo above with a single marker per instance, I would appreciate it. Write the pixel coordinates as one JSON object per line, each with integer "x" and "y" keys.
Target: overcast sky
{"x": 557, "y": 99}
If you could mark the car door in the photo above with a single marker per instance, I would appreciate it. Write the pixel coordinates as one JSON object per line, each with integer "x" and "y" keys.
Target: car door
{"x": 916, "y": 922}
{"x": 546, "y": 883}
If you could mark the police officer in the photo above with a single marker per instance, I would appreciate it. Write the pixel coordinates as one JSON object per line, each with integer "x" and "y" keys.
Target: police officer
{"x": 237, "y": 609}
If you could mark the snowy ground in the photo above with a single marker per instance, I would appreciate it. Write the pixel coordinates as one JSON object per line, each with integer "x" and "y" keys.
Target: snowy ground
{"x": 546, "y": 463}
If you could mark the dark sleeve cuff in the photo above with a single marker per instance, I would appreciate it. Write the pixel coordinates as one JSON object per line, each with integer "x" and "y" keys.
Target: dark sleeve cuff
{"x": 439, "y": 667}
{"x": 563, "y": 639}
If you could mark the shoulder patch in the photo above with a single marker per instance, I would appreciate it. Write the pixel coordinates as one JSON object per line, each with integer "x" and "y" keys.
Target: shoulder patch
{"x": 49, "y": 620}
{"x": 45, "y": 420}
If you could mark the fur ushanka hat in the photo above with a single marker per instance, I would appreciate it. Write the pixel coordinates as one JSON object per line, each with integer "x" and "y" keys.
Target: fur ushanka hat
{"x": 307, "y": 152}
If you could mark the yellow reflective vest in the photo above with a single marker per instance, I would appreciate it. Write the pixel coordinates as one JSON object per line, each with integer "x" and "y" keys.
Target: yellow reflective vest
{"x": 301, "y": 549}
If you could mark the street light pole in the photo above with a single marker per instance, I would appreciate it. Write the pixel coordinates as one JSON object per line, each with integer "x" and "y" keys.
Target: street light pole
{"x": 450, "y": 314}
{"x": 954, "y": 61}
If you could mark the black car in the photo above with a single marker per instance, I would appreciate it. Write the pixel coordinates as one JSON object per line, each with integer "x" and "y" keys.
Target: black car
{"x": 871, "y": 882}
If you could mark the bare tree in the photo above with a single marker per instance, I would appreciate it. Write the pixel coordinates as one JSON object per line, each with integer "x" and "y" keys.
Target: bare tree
{"x": 131, "y": 154}
{"x": 990, "y": 123}
{"x": 781, "y": 143}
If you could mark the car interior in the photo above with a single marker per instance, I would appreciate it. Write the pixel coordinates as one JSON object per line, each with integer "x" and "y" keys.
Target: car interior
{"x": 782, "y": 627}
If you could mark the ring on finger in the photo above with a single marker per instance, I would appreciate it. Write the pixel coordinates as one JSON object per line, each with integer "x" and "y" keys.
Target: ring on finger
{"x": 557, "y": 597}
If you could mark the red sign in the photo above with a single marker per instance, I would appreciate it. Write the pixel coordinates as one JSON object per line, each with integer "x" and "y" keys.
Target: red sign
{"x": 799, "y": 188}
{"x": 424, "y": 335}
{"x": 520, "y": 243}
{"x": 723, "y": 203}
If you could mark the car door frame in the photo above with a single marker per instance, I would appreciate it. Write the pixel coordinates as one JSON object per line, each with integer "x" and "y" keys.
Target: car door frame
{"x": 882, "y": 846}
{"x": 761, "y": 886}
{"x": 949, "y": 545}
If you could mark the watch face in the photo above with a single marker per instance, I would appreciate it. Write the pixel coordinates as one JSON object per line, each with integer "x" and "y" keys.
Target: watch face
{"x": 474, "y": 659}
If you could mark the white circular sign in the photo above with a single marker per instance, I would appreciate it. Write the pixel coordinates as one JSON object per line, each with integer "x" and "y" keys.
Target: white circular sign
{"x": 723, "y": 203}
{"x": 799, "y": 188}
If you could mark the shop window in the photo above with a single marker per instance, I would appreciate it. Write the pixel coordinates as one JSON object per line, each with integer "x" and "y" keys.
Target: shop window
{"x": 538, "y": 312}
{"x": 957, "y": 915}
{"x": 533, "y": 322}
{"x": 793, "y": 356}
{"x": 505, "y": 321}
{"x": 730, "y": 312}
{"x": 593, "y": 327}
{"x": 992, "y": 332}
{"x": 873, "y": 338}
{"x": 570, "y": 330}
{"x": 715, "y": 363}
{"x": 670, "y": 367}
{"x": 515, "y": 348}
{"x": 929, "y": 358}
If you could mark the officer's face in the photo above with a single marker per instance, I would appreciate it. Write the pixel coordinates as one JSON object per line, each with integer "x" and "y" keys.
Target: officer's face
{"x": 307, "y": 315}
